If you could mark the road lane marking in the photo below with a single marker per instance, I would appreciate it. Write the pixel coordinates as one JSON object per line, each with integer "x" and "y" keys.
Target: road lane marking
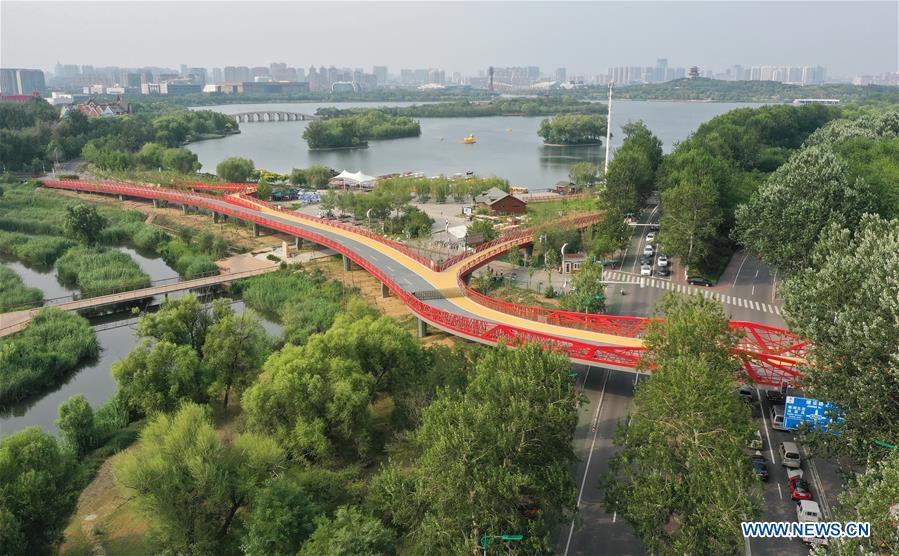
{"x": 777, "y": 309}
{"x": 737, "y": 275}
{"x": 779, "y": 492}
{"x": 580, "y": 494}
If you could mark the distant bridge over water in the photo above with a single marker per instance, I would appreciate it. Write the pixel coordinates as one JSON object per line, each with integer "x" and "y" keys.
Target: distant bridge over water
{"x": 271, "y": 116}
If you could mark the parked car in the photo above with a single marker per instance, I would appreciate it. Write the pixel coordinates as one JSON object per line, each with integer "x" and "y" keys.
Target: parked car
{"x": 650, "y": 237}
{"x": 759, "y": 465}
{"x": 662, "y": 260}
{"x": 746, "y": 394}
{"x": 777, "y": 418}
{"x": 789, "y": 455}
{"x": 777, "y": 397}
{"x": 648, "y": 250}
{"x": 756, "y": 442}
{"x": 664, "y": 271}
{"x": 645, "y": 270}
{"x": 799, "y": 488}
{"x": 699, "y": 281}
{"x": 645, "y": 259}
{"x": 654, "y": 227}
{"x": 808, "y": 511}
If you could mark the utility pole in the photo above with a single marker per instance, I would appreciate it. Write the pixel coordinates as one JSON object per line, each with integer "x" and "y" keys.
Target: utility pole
{"x": 605, "y": 169}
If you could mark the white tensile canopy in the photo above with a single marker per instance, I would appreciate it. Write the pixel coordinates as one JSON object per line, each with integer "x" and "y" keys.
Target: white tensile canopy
{"x": 356, "y": 178}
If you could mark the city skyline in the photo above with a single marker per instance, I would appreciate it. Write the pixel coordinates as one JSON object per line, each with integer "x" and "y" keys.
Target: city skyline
{"x": 829, "y": 34}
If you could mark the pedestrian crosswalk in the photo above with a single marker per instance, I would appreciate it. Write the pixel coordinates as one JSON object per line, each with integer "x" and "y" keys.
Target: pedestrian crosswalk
{"x": 667, "y": 284}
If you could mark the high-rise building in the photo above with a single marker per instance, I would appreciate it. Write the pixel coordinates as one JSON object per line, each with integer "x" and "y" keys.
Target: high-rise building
{"x": 197, "y": 75}
{"x": 694, "y": 72}
{"x": 184, "y": 69}
{"x": 561, "y": 75}
{"x": 436, "y": 76}
{"x": 380, "y": 74}
{"x": 301, "y": 74}
{"x": 217, "y": 76}
{"x": 16, "y": 81}
{"x": 660, "y": 72}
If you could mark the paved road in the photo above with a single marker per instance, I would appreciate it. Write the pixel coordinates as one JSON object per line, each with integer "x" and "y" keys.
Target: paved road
{"x": 609, "y": 394}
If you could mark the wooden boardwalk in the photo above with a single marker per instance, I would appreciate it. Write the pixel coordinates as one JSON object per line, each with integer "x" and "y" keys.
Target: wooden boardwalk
{"x": 10, "y": 323}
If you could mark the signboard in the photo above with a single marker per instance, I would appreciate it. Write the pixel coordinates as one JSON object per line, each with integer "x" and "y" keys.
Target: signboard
{"x": 816, "y": 414}
{"x": 466, "y": 211}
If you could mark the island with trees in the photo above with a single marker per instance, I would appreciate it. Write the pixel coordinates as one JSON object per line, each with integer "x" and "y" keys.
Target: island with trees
{"x": 353, "y": 130}
{"x": 518, "y": 106}
{"x": 573, "y": 129}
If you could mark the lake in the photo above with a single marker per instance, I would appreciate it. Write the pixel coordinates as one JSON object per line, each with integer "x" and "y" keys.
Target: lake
{"x": 507, "y": 146}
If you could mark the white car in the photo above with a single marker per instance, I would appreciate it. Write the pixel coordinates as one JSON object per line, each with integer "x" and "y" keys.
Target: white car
{"x": 809, "y": 512}
{"x": 648, "y": 250}
{"x": 650, "y": 237}
{"x": 662, "y": 260}
{"x": 646, "y": 270}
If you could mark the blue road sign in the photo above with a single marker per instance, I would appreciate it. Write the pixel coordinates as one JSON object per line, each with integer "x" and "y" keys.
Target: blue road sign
{"x": 815, "y": 413}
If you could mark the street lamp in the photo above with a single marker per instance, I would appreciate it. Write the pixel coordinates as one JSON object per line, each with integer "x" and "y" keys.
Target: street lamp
{"x": 487, "y": 539}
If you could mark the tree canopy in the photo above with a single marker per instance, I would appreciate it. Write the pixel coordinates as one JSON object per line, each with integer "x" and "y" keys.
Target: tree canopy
{"x": 235, "y": 169}
{"x": 681, "y": 478}
{"x": 846, "y": 302}
{"x": 573, "y": 129}
{"x": 493, "y": 457}
{"x": 190, "y": 483}
{"x": 38, "y": 492}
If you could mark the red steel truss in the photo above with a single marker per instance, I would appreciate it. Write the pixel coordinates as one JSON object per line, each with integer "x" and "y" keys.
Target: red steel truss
{"x": 769, "y": 355}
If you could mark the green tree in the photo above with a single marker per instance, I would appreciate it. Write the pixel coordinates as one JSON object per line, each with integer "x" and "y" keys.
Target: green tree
{"x": 690, "y": 218}
{"x": 150, "y": 156}
{"x": 182, "y": 321}
{"x": 588, "y": 293}
{"x": 329, "y": 201}
{"x": 844, "y": 303}
{"x": 83, "y": 223}
{"x": 871, "y": 497}
{"x": 783, "y": 219}
{"x": 235, "y": 170}
{"x": 484, "y": 227}
{"x": 190, "y": 483}
{"x": 313, "y": 402}
{"x": 573, "y": 129}
{"x": 281, "y": 519}
{"x": 159, "y": 377}
{"x": 350, "y": 533}
{"x": 318, "y": 176}
{"x": 493, "y": 457}
{"x": 583, "y": 173}
{"x": 180, "y": 160}
{"x": 263, "y": 190}
{"x": 307, "y": 316}
{"x": 234, "y": 351}
{"x": 38, "y": 492}
{"x": 629, "y": 180}
{"x": 76, "y": 423}
{"x": 551, "y": 261}
{"x": 681, "y": 478}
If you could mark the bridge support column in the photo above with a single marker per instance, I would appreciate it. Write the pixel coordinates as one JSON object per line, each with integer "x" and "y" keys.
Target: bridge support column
{"x": 256, "y": 231}
{"x": 422, "y": 328}
{"x": 121, "y": 197}
{"x": 184, "y": 209}
{"x": 156, "y": 203}
{"x": 347, "y": 264}
{"x": 385, "y": 291}
{"x": 215, "y": 217}
{"x": 298, "y": 242}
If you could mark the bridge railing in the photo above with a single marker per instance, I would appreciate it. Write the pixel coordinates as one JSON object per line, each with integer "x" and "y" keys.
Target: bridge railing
{"x": 246, "y": 201}
{"x": 765, "y": 360}
{"x": 226, "y": 187}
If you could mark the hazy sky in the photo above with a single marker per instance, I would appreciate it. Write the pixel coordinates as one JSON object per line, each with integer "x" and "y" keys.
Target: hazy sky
{"x": 848, "y": 38}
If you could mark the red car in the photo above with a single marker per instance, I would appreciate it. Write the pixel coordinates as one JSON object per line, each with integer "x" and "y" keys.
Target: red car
{"x": 799, "y": 488}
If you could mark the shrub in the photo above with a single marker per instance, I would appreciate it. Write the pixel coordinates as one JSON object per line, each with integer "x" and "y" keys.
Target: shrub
{"x": 53, "y": 344}
{"x": 97, "y": 271}
{"x": 13, "y": 293}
